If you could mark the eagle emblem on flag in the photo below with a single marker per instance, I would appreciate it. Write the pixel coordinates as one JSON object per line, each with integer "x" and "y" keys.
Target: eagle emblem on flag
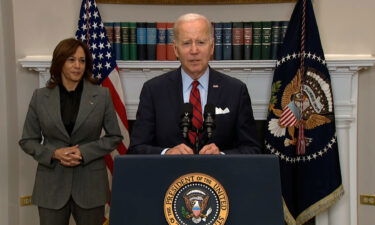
{"x": 309, "y": 105}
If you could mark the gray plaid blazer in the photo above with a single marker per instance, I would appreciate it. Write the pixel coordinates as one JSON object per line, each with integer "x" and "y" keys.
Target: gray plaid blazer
{"x": 44, "y": 132}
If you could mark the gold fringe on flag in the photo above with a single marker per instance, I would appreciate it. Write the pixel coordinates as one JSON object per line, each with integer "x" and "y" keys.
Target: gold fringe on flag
{"x": 313, "y": 210}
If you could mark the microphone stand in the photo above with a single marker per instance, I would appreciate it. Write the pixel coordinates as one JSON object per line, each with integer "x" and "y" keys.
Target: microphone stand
{"x": 208, "y": 123}
{"x": 197, "y": 142}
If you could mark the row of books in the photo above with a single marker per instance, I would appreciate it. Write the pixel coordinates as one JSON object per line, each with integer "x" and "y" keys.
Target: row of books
{"x": 233, "y": 40}
{"x": 248, "y": 40}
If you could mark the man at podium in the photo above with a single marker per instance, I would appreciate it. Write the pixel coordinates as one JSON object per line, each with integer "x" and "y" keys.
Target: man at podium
{"x": 194, "y": 109}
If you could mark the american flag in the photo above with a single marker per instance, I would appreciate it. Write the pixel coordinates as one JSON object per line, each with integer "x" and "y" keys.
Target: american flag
{"x": 92, "y": 32}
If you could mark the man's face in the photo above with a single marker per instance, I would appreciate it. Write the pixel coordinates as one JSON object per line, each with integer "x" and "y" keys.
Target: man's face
{"x": 194, "y": 47}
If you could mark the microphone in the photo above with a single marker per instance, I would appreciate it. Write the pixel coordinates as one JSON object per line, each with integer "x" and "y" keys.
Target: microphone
{"x": 209, "y": 119}
{"x": 186, "y": 115}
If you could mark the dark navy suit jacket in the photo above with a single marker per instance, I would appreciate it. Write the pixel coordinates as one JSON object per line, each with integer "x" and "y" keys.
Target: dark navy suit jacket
{"x": 159, "y": 115}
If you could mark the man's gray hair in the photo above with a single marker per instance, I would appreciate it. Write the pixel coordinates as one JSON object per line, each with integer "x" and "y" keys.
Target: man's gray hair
{"x": 191, "y": 17}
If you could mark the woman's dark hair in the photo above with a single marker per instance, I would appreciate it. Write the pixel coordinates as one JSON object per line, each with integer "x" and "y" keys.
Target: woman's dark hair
{"x": 62, "y": 52}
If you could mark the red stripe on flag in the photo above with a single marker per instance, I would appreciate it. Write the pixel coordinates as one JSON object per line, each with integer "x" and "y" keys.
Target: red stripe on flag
{"x": 109, "y": 161}
{"x": 286, "y": 113}
{"x": 118, "y": 104}
{"x": 289, "y": 119}
{"x": 121, "y": 148}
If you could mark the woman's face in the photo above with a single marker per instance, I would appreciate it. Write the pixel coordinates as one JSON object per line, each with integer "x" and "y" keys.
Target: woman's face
{"x": 74, "y": 67}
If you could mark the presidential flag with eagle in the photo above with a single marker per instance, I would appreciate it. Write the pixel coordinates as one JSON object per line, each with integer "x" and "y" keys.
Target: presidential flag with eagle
{"x": 301, "y": 128}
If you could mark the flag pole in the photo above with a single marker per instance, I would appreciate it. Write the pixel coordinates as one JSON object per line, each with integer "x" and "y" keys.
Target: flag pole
{"x": 301, "y": 143}
{"x": 87, "y": 13}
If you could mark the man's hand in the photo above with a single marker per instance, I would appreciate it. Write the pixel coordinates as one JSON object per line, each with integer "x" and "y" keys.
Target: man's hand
{"x": 210, "y": 149}
{"x": 69, "y": 156}
{"x": 180, "y": 149}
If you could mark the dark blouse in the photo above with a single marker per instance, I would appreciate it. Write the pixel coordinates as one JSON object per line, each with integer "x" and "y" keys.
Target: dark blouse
{"x": 69, "y": 105}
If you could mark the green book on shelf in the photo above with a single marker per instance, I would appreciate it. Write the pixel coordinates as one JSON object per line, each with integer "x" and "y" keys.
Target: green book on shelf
{"x": 275, "y": 38}
{"x": 133, "y": 40}
{"x": 125, "y": 53}
{"x": 266, "y": 40}
{"x": 257, "y": 40}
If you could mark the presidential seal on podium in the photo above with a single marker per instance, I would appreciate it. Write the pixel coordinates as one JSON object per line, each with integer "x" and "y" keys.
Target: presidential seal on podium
{"x": 196, "y": 198}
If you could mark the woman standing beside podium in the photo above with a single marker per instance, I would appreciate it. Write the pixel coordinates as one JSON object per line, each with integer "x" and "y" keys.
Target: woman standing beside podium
{"x": 62, "y": 132}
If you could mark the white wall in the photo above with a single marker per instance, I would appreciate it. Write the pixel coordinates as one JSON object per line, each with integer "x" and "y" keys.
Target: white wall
{"x": 8, "y": 119}
{"x": 366, "y": 142}
{"x": 346, "y": 27}
{"x": 3, "y": 129}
